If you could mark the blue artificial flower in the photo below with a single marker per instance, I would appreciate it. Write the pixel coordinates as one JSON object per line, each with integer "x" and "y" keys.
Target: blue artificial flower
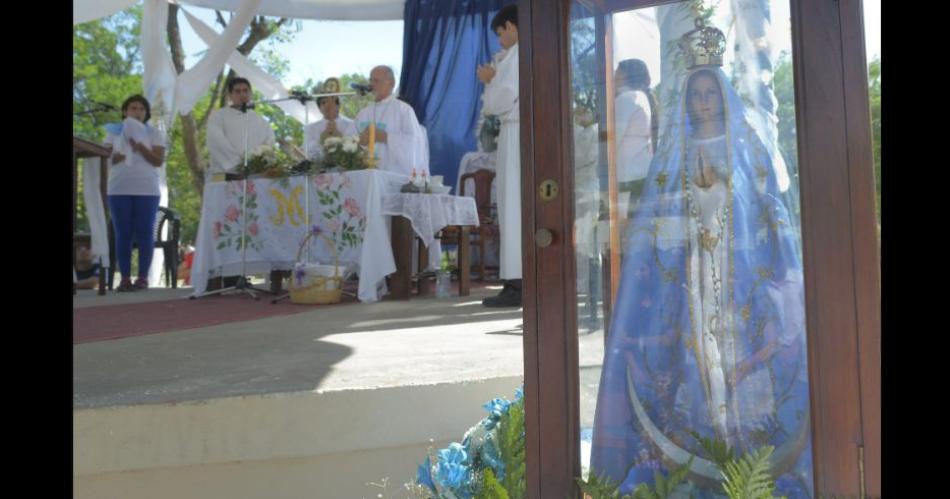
{"x": 496, "y": 408}
{"x": 491, "y": 456}
{"x": 454, "y": 453}
{"x": 467, "y": 443}
{"x": 452, "y": 471}
{"x": 519, "y": 393}
{"x": 424, "y": 475}
{"x": 300, "y": 273}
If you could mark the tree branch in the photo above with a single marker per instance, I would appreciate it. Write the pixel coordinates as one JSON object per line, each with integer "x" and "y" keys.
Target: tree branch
{"x": 220, "y": 19}
{"x": 191, "y": 136}
{"x": 214, "y": 96}
{"x": 174, "y": 39}
{"x": 188, "y": 125}
{"x": 259, "y": 32}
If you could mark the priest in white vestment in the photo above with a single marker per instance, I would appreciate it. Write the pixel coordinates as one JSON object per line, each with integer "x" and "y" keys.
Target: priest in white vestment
{"x": 226, "y": 130}
{"x": 501, "y": 99}
{"x": 398, "y": 133}
{"x": 333, "y": 124}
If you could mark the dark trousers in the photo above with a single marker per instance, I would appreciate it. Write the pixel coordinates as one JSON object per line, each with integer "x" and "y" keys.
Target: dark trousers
{"x": 133, "y": 219}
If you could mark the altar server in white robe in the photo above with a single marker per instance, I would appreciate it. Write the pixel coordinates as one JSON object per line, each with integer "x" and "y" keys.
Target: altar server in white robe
{"x": 398, "y": 133}
{"x": 636, "y": 126}
{"x": 226, "y": 130}
{"x": 333, "y": 124}
{"x": 501, "y": 99}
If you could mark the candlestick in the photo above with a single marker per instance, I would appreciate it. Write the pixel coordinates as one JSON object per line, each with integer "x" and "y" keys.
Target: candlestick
{"x": 372, "y": 145}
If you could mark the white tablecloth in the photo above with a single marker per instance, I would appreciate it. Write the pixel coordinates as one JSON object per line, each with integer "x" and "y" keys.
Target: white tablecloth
{"x": 347, "y": 206}
{"x": 428, "y": 214}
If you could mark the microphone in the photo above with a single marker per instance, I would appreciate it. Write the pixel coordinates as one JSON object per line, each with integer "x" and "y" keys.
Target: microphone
{"x": 362, "y": 89}
{"x": 300, "y": 95}
{"x": 104, "y": 105}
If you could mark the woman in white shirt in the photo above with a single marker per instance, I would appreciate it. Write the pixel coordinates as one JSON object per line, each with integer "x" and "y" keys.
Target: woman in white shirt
{"x": 134, "y": 193}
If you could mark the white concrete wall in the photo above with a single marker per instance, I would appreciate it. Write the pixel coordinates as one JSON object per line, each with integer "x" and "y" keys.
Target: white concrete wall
{"x": 306, "y": 444}
{"x": 331, "y": 476}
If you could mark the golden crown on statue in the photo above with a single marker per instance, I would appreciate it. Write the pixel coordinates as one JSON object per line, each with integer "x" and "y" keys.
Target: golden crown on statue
{"x": 329, "y": 86}
{"x": 703, "y": 46}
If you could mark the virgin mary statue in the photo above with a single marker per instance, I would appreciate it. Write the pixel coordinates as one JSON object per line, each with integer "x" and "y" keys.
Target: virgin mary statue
{"x": 707, "y": 339}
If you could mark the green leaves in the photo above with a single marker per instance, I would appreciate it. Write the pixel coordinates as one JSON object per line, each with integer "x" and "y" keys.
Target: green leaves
{"x": 602, "y": 487}
{"x": 749, "y": 477}
{"x": 511, "y": 445}
{"x": 491, "y": 488}
{"x": 717, "y": 451}
{"x": 663, "y": 486}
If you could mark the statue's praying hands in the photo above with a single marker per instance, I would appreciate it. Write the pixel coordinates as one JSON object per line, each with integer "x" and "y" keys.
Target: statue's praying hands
{"x": 705, "y": 174}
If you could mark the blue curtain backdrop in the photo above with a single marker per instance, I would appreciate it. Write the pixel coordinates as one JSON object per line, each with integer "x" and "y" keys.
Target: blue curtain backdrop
{"x": 443, "y": 42}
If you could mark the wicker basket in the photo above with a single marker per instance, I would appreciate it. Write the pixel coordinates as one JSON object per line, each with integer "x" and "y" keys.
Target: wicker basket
{"x": 321, "y": 290}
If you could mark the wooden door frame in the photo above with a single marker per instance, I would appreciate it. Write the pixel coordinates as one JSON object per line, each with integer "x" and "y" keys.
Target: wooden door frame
{"x": 839, "y": 244}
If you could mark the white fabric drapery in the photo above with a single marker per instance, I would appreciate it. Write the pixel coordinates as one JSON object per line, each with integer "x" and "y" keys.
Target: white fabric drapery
{"x": 178, "y": 93}
{"x": 159, "y": 75}
{"x": 193, "y": 83}
{"x": 335, "y": 10}
{"x": 328, "y": 10}
{"x": 269, "y": 87}
{"x": 95, "y": 211}
{"x": 90, "y": 10}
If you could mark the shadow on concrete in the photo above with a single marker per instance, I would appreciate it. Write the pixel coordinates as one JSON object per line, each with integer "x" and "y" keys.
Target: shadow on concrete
{"x": 269, "y": 355}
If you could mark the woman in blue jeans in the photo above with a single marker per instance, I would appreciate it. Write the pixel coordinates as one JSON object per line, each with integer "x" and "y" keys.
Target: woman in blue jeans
{"x": 134, "y": 193}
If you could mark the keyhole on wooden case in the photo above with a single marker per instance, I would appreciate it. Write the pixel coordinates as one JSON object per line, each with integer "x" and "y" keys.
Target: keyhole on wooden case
{"x": 548, "y": 190}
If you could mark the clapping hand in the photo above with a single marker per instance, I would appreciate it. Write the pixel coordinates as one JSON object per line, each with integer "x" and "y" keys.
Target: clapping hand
{"x": 485, "y": 73}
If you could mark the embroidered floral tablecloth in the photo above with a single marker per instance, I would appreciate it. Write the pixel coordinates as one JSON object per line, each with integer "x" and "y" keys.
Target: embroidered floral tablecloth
{"x": 346, "y": 206}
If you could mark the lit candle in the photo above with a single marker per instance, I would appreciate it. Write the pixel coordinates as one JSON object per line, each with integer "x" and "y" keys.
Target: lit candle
{"x": 372, "y": 142}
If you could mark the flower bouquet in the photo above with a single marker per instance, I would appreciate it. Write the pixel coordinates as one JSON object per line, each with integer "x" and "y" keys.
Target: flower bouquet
{"x": 266, "y": 161}
{"x": 344, "y": 153}
{"x": 489, "y": 462}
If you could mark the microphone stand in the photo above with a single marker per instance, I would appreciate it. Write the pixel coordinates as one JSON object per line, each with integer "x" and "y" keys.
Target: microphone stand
{"x": 303, "y": 98}
{"x": 243, "y": 283}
